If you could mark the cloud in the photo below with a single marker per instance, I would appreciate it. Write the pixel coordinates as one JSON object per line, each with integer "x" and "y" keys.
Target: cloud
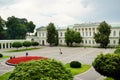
{"x": 61, "y": 12}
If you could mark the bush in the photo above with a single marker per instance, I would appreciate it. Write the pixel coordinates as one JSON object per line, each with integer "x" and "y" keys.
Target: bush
{"x": 41, "y": 70}
{"x": 108, "y": 65}
{"x": 17, "y": 44}
{"x": 26, "y": 44}
{"x": 35, "y": 43}
{"x": 1, "y": 55}
{"x": 117, "y": 51}
{"x": 75, "y": 64}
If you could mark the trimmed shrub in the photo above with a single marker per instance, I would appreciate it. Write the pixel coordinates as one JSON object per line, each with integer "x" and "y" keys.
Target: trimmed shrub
{"x": 17, "y": 44}
{"x": 26, "y": 44}
{"x": 117, "y": 51}
{"x": 35, "y": 43}
{"x": 1, "y": 55}
{"x": 75, "y": 64}
{"x": 41, "y": 70}
{"x": 108, "y": 65}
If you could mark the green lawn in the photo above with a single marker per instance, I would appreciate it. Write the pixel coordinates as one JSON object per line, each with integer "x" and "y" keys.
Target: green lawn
{"x": 76, "y": 71}
{"x": 21, "y": 50}
{"x": 4, "y": 57}
{"x": 109, "y": 79}
{"x": 5, "y": 76}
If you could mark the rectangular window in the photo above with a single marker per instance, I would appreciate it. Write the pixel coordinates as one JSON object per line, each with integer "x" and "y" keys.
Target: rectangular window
{"x": 114, "y": 41}
{"x": 83, "y": 33}
{"x": 89, "y": 41}
{"x": 86, "y": 41}
{"x": 61, "y": 34}
{"x": 114, "y": 33}
{"x": 40, "y": 34}
{"x": 93, "y": 42}
{"x": 90, "y": 33}
{"x": 43, "y": 34}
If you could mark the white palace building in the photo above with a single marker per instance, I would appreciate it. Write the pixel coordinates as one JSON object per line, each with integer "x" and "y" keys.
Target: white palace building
{"x": 86, "y": 30}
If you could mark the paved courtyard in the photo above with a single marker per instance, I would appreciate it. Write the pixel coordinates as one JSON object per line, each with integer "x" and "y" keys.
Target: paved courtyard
{"x": 84, "y": 55}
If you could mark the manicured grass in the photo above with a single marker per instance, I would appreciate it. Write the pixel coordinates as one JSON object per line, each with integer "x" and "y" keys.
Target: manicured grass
{"x": 76, "y": 71}
{"x": 4, "y": 57}
{"x": 21, "y": 50}
{"x": 109, "y": 79}
{"x": 5, "y": 76}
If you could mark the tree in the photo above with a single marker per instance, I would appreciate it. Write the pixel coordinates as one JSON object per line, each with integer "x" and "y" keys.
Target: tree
{"x": 35, "y": 43}
{"x": 30, "y": 27}
{"x": 102, "y": 36}
{"x": 17, "y": 44}
{"x": 119, "y": 38}
{"x": 56, "y": 39}
{"x": 18, "y": 27}
{"x": 2, "y": 25}
{"x": 26, "y": 44}
{"x": 51, "y": 34}
{"x": 77, "y": 37}
{"x": 108, "y": 65}
{"x": 41, "y": 70}
{"x": 69, "y": 39}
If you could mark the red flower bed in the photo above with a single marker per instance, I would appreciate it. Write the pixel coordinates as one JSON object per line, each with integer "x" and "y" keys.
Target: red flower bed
{"x": 18, "y": 60}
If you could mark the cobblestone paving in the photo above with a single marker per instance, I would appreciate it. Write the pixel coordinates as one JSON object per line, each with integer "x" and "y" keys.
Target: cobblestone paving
{"x": 84, "y": 55}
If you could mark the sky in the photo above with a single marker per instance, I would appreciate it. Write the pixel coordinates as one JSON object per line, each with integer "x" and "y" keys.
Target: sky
{"x": 62, "y": 12}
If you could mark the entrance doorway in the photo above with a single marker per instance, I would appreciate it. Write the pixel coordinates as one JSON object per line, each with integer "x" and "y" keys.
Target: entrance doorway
{"x": 43, "y": 42}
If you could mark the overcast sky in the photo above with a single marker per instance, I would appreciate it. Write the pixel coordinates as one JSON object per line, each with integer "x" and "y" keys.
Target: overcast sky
{"x": 62, "y": 12}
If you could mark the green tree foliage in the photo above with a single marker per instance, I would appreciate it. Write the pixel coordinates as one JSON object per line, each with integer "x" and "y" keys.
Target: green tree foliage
{"x": 41, "y": 70}
{"x": 52, "y": 34}
{"x": 69, "y": 39}
{"x": 102, "y": 36}
{"x": 18, "y": 27}
{"x": 108, "y": 65}
{"x": 17, "y": 44}
{"x": 26, "y": 44}
{"x": 30, "y": 27}
{"x": 77, "y": 37}
{"x": 72, "y": 36}
{"x": 35, "y": 43}
{"x": 56, "y": 38}
{"x": 2, "y": 25}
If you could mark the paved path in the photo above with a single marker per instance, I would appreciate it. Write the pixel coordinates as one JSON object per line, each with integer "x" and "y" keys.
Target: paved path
{"x": 84, "y": 55}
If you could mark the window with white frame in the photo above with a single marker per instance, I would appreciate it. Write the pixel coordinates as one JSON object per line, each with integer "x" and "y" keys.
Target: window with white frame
{"x": 89, "y": 41}
{"x": 43, "y": 34}
{"x": 61, "y": 34}
{"x": 114, "y": 41}
{"x": 85, "y": 41}
{"x": 114, "y": 33}
{"x": 40, "y": 34}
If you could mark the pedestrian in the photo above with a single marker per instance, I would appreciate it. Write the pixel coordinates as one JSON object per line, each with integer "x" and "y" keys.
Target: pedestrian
{"x": 10, "y": 57}
{"x": 13, "y": 56}
{"x": 60, "y": 51}
{"x": 26, "y": 53}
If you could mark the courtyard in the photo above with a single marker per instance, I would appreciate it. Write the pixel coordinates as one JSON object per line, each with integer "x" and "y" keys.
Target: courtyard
{"x": 83, "y": 55}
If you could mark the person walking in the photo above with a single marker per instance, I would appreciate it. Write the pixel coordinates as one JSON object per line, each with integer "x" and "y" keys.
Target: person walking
{"x": 26, "y": 53}
{"x": 60, "y": 51}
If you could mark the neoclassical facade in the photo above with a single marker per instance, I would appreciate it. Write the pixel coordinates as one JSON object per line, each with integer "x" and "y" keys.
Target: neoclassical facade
{"x": 86, "y": 30}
